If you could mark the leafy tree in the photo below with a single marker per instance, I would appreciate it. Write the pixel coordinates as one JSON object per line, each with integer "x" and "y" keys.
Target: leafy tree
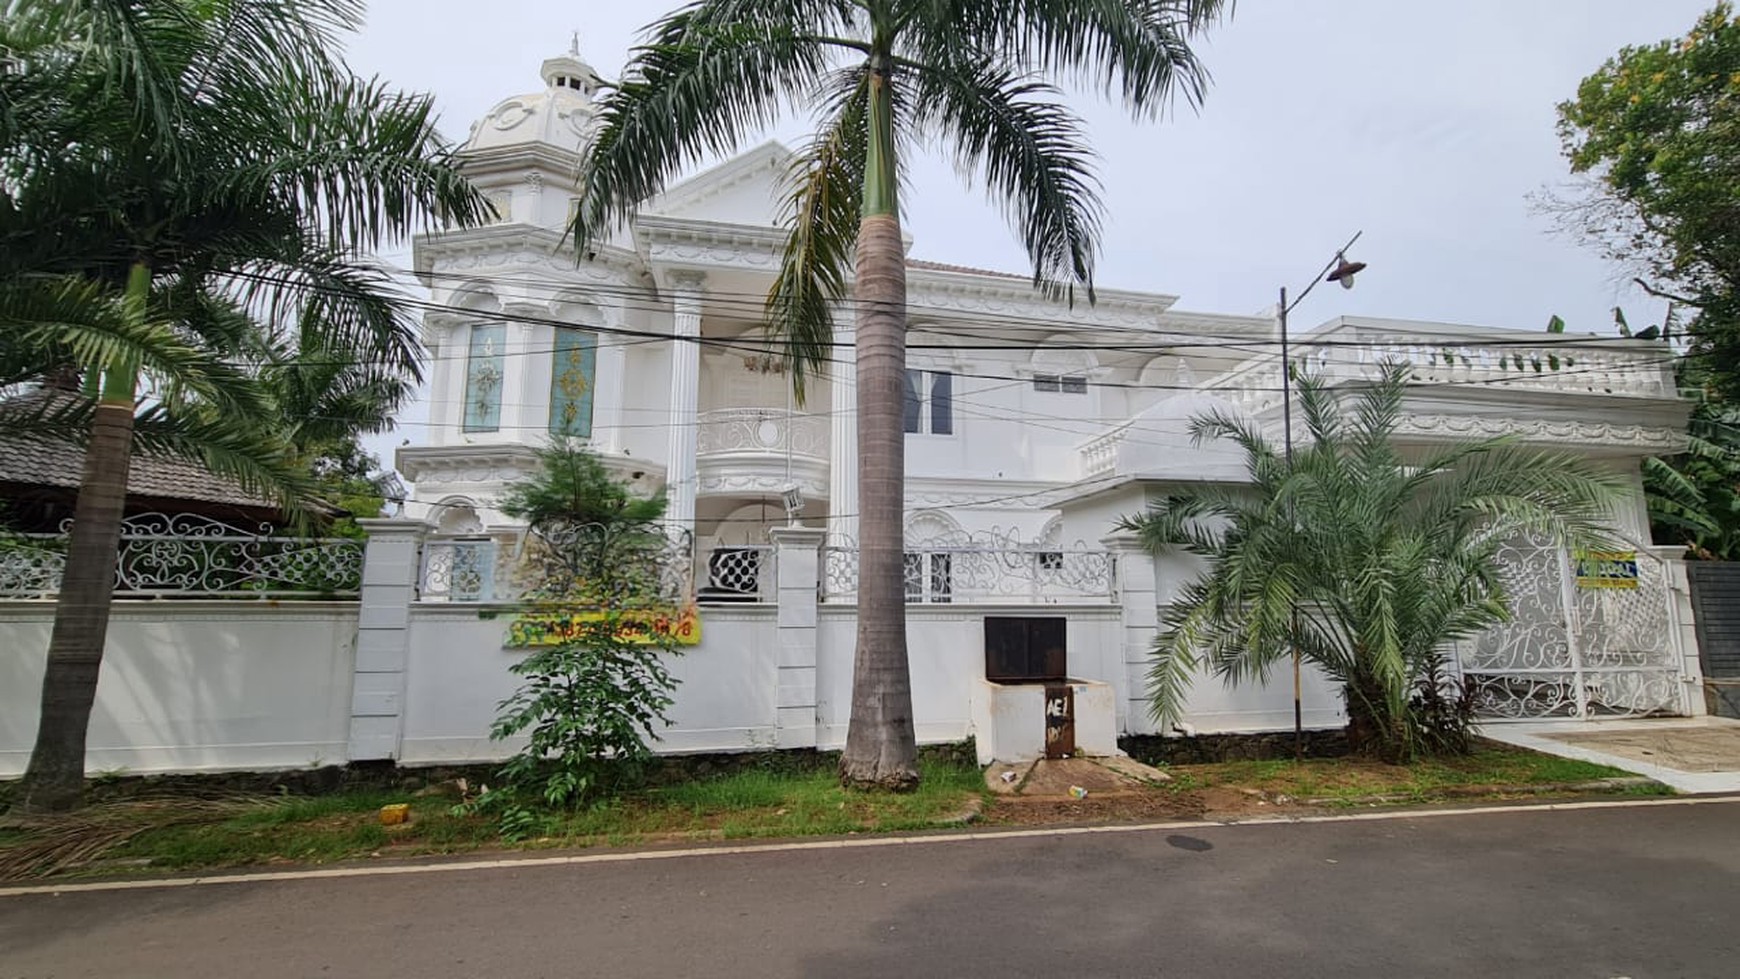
{"x": 1366, "y": 561}
{"x": 1655, "y": 133}
{"x": 175, "y": 174}
{"x": 883, "y": 78}
{"x": 590, "y": 704}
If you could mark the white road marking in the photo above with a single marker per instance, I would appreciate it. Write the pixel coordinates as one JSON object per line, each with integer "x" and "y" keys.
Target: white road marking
{"x": 631, "y": 856}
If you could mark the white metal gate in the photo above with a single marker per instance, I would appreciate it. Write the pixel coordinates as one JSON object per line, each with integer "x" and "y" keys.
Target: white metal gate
{"x": 1576, "y": 652}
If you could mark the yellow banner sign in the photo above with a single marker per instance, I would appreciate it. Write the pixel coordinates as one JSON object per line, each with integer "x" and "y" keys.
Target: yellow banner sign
{"x": 1606, "y": 569}
{"x": 676, "y": 627}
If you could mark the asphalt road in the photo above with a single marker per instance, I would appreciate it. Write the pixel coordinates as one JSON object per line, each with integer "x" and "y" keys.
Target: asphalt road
{"x": 1636, "y": 892}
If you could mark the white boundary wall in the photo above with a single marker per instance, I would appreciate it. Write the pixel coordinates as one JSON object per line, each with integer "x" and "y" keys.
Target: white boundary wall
{"x": 194, "y": 685}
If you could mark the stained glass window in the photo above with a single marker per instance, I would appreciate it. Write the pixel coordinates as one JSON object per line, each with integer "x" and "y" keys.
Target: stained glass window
{"x": 572, "y": 381}
{"x": 483, "y": 377}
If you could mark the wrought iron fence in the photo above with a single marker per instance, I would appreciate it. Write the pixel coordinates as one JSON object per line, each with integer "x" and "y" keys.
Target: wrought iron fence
{"x": 738, "y": 573}
{"x": 600, "y": 562}
{"x": 462, "y": 569}
{"x": 186, "y": 556}
{"x": 986, "y": 572}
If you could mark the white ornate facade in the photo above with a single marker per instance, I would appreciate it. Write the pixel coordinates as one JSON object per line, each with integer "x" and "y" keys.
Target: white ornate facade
{"x": 1022, "y": 405}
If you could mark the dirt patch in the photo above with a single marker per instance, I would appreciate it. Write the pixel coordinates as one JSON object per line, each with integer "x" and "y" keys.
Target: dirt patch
{"x": 1127, "y": 807}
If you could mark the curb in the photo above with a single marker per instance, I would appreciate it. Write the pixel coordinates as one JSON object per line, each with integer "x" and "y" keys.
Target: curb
{"x": 1485, "y": 791}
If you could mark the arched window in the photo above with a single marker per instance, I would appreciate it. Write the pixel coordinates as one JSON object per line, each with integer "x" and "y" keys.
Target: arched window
{"x": 1062, "y": 370}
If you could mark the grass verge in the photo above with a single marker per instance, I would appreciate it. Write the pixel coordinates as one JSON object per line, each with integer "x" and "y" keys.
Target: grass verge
{"x": 321, "y": 829}
{"x": 1492, "y": 770}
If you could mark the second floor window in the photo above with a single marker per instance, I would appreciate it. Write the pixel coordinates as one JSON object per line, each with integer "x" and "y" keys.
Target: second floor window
{"x": 573, "y": 378}
{"x": 929, "y": 577}
{"x": 930, "y": 402}
{"x": 1060, "y": 383}
{"x": 483, "y": 378}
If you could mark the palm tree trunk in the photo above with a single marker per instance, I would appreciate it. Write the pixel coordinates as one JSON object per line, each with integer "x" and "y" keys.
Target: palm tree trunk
{"x": 881, "y": 745}
{"x": 54, "y": 779}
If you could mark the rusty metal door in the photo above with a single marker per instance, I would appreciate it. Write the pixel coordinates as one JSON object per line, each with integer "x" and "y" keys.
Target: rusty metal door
{"x": 1059, "y": 721}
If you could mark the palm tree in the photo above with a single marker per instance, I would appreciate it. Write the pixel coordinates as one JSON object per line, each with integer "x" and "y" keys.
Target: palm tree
{"x": 1366, "y": 560}
{"x": 188, "y": 171}
{"x": 884, "y": 77}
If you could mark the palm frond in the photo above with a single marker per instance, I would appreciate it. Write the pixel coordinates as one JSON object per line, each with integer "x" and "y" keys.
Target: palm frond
{"x": 696, "y": 87}
{"x": 1015, "y": 132}
{"x": 824, "y": 212}
{"x": 1139, "y": 51}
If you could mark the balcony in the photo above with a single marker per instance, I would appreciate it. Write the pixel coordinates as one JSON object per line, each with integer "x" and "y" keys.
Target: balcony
{"x": 756, "y": 451}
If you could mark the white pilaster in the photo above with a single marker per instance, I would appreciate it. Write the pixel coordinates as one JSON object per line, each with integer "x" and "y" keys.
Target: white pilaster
{"x": 526, "y": 388}
{"x": 383, "y": 641}
{"x": 442, "y": 341}
{"x": 797, "y": 564}
{"x": 1139, "y": 605}
{"x": 685, "y": 400}
{"x": 843, "y": 446}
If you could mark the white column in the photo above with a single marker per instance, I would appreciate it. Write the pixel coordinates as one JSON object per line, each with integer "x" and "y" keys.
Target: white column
{"x": 383, "y": 637}
{"x": 796, "y": 564}
{"x": 843, "y": 445}
{"x": 1139, "y": 605}
{"x": 1683, "y": 627}
{"x": 685, "y": 399}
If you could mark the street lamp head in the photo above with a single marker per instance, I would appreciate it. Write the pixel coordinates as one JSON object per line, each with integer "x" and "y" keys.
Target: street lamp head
{"x": 1345, "y": 271}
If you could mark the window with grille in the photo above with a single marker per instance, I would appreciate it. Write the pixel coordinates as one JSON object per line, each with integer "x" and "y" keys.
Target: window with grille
{"x": 929, "y": 578}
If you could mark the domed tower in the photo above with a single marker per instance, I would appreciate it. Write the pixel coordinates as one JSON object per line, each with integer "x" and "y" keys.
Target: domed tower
{"x": 535, "y": 139}
{"x": 524, "y": 334}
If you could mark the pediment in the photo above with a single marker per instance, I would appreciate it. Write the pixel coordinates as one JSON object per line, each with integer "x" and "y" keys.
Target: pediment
{"x": 749, "y": 189}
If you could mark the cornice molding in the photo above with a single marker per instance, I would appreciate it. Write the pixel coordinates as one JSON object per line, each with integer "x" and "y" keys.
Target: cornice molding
{"x": 497, "y": 463}
{"x": 1654, "y": 438}
{"x": 504, "y": 249}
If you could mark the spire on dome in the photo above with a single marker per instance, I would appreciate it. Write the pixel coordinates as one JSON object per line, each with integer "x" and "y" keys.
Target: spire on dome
{"x": 567, "y": 71}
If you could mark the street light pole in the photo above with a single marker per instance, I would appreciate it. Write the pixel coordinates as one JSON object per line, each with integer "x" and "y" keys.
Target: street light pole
{"x": 1340, "y": 270}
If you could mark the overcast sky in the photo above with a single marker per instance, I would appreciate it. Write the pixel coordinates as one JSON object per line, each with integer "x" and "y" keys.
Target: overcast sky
{"x": 1426, "y": 125}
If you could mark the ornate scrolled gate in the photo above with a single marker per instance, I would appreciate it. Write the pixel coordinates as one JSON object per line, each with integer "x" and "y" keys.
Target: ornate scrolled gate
{"x": 1576, "y": 652}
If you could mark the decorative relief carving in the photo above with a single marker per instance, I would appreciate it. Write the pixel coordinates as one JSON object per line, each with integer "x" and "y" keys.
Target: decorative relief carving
{"x": 510, "y": 114}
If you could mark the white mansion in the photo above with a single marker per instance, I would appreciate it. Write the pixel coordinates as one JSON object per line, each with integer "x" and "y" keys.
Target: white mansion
{"x": 1032, "y": 425}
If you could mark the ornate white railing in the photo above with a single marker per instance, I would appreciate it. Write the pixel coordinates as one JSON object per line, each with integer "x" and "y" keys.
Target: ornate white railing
{"x": 985, "y": 574}
{"x": 761, "y": 431}
{"x": 186, "y": 556}
{"x": 1359, "y": 353}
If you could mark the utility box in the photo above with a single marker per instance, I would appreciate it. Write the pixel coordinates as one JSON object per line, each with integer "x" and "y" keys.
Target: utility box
{"x": 1026, "y": 648}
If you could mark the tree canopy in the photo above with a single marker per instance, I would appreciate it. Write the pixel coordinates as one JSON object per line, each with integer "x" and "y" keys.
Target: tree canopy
{"x": 1655, "y": 133}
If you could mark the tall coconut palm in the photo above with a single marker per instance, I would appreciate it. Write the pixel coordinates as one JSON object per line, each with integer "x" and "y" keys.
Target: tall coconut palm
{"x": 1367, "y": 561}
{"x": 882, "y": 78}
{"x": 192, "y": 169}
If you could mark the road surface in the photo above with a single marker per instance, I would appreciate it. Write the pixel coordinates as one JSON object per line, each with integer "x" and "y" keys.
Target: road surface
{"x": 1646, "y": 891}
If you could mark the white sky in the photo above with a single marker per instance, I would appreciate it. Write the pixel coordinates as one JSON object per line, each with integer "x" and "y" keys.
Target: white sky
{"x": 1425, "y": 125}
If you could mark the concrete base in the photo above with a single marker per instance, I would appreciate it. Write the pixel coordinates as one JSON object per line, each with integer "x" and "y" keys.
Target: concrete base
{"x": 1700, "y": 754}
{"x": 1009, "y": 720}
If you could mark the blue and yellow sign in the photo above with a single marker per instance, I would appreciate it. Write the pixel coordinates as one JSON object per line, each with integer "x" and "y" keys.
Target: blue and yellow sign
{"x": 667, "y": 626}
{"x": 1606, "y": 569}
